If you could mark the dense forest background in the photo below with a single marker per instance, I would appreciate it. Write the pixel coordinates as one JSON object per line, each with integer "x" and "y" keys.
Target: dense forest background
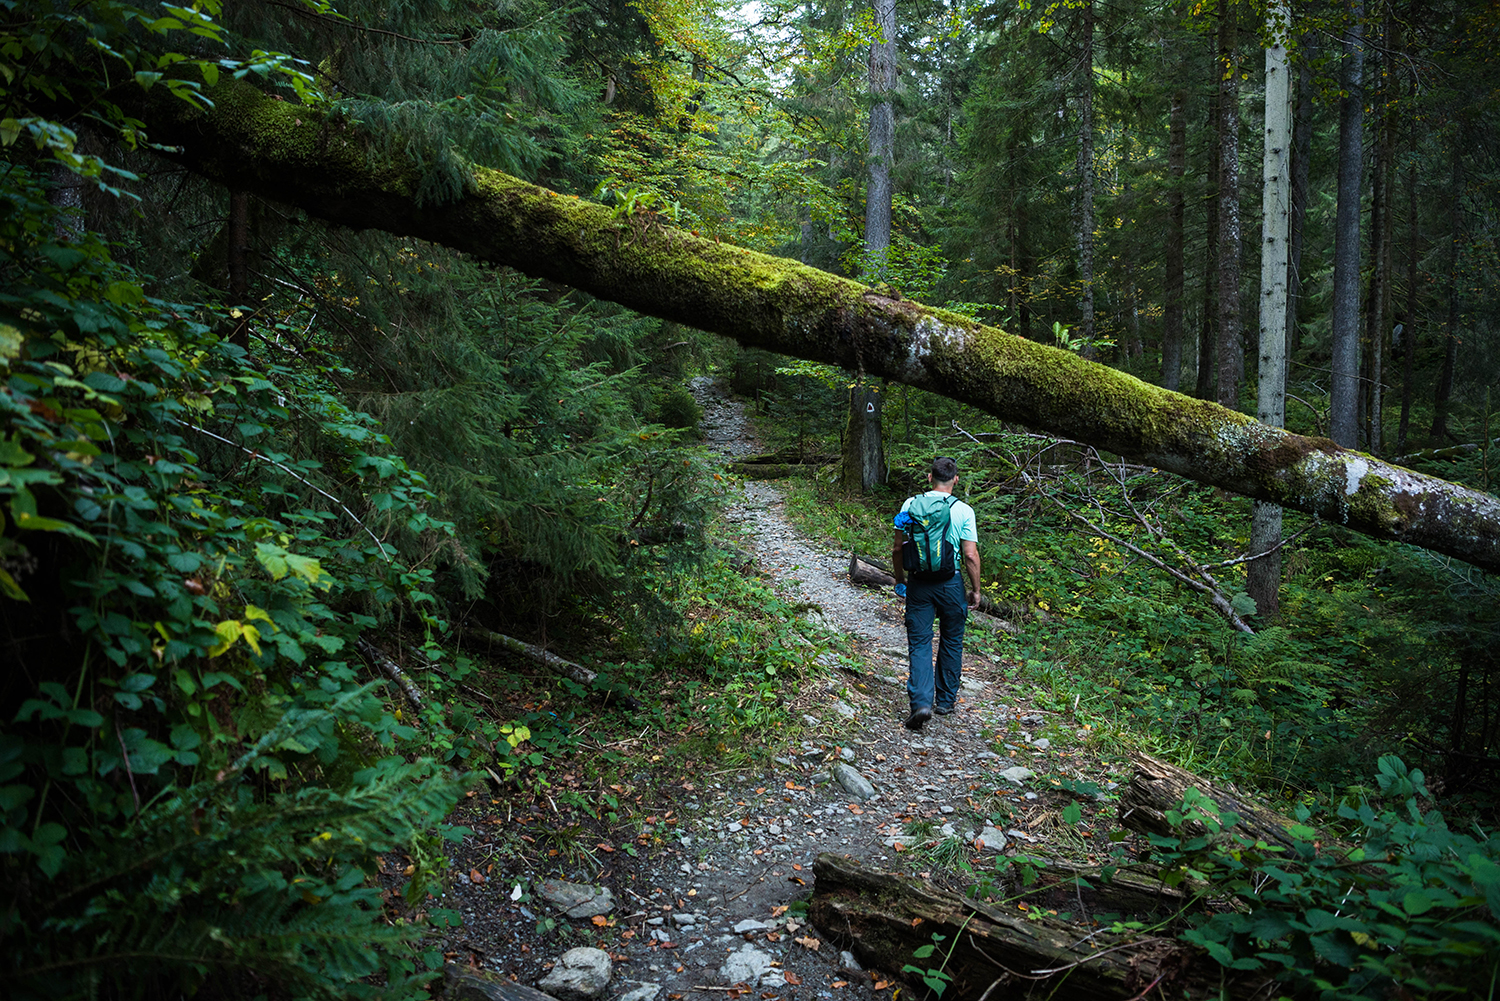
{"x": 275, "y": 489}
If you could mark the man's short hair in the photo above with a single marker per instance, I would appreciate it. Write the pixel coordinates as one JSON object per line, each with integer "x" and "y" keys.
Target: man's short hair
{"x": 944, "y": 468}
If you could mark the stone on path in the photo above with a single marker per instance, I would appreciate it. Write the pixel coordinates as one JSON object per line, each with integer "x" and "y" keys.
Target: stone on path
{"x": 992, "y": 840}
{"x": 750, "y": 925}
{"x": 645, "y": 992}
{"x": 1017, "y": 774}
{"x": 853, "y": 782}
{"x": 751, "y": 966}
{"x": 576, "y": 900}
{"x": 844, "y": 709}
{"x": 581, "y": 974}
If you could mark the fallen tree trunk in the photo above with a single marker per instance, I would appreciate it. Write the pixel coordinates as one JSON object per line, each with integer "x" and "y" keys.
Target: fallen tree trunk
{"x": 1157, "y": 787}
{"x": 999, "y": 952}
{"x": 324, "y": 164}
{"x": 392, "y": 670}
{"x": 551, "y": 661}
{"x": 870, "y": 573}
{"x": 767, "y": 470}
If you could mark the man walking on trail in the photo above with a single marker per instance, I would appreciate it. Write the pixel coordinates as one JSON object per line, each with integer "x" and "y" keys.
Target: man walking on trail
{"x": 935, "y": 535}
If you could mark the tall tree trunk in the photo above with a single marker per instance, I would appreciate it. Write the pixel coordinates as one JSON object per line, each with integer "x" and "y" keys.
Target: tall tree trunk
{"x": 298, "y": 156}
{"x": 1171, "y": 337}
{"x": 1085, "y": 206}
{"x": 1230, "y": 348}
{"x": 1344, "y": 381}
{"x": 863, "y": 453}
{"x": 864, "y": 458}
{"x": 1301, "y": 159}
{"x": 1210, "y": 320}
{"x": 1443, "y": 396}
{"x": 1409, "y": 328}
{"x": 1264, "y": 582}
{"x": 882, "y": 140}
{"x": 1378, "y": 325}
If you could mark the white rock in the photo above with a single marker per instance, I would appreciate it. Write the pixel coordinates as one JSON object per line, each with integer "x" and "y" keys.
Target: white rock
{"x": 1017, "y": 774}
{"x": 747, "y": 965}
{"x": 1041, "y": 743}
{"x": 992, "y": 839}
{"x": 581, "y": 974}
{"x": 750, "y": 925}
{"x": 645, "y": 992}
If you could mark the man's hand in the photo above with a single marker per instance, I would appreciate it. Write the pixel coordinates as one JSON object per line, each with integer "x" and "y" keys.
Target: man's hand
{"x": 974, "y": 600}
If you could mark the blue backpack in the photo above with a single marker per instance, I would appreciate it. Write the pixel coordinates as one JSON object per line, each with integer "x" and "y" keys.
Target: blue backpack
{"x": 927, "y": 555}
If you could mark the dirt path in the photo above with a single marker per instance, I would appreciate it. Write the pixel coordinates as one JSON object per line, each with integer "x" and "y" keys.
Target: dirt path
{"x": 717, "y": 875}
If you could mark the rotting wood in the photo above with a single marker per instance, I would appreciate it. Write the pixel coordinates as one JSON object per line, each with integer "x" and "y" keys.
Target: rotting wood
{"x": 767, "y": 470}
{"x": 868, "y": 572}
{"x": 327, "y": 165}
{"x": 1157, "y": 787}
{"x": 999, "y": 952}
{"x": 479, "y": 636}
{"x": 388, "y": 667}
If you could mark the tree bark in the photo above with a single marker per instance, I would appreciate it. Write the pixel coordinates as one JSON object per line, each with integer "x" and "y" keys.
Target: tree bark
{"x": 1085, "y": 206}
{"x": 297, "y": 156}
{"x": 1171, "y": 338}
{"x": 1207, "y": 341}
{"x": 1264, "y": 574}
{"x": 882, "y": 140}
{"x": 1443, "y": 395}
{"x": 993, "y": 952}
{"x": 1301, "y": 166}
{"x": 1231, "y": 333}
{"x": 864, "y": 457}
{"x": 1344, "y": 382}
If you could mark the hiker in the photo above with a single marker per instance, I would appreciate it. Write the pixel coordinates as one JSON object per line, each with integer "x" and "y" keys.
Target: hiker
{"x": 935, "y": 534}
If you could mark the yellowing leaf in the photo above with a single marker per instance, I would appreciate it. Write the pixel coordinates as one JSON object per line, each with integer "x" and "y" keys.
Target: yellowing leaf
{"x": 228, "y": 632}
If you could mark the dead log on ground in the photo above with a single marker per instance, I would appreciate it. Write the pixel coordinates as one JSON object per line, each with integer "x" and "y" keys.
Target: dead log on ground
{"x": 1002, "y": 953}
{"x": 872, "y": 573}
{"x": 1157, "y": 787}
{"x": 551, "y": 661}
{"x": 388, "y": 667}
{"x": 767, "y": 470}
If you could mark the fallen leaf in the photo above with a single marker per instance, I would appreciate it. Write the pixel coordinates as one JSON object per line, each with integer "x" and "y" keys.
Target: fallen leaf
{"x": 476, "y": 876}
{"x": 604, "y": 847}
{"x": 409, "y": 870}
{"x": 797, "y": 866}
{"x": 839, "y": 983}
{"x": 881, "y": 985}
{"x": 779, "y": 910}
{"x": 792, "y": 978}
{"x": 808, "y": 942}
{"x": 599, "y": 921}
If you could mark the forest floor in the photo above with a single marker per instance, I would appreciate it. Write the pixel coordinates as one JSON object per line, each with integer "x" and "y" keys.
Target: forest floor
{"x": 708, "y": 871}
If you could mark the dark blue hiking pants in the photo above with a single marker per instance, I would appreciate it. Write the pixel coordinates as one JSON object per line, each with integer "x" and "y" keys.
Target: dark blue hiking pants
{"x": 945, "y": 602}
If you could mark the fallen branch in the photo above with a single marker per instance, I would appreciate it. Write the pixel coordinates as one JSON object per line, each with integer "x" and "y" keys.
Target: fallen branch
{"x": 552, "y": 662}
{"x": 388, "y": 667}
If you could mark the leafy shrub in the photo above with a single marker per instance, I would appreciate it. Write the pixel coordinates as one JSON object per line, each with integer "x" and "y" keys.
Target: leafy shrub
{"x": 1411, "y": 909}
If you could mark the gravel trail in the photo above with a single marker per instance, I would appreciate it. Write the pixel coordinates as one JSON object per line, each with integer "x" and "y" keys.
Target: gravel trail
{"x": 717, "y": 880}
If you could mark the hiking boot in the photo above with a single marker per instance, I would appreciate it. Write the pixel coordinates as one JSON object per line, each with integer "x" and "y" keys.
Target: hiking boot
{"x": 945, "y": 710}
{"x": 918, "y": 716}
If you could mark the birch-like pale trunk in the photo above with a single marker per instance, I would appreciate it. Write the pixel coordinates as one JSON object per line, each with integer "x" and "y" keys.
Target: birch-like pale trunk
{"x": 1264, "y": 583}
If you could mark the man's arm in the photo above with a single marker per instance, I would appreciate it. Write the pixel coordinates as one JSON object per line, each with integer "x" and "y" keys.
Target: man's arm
{"x": 970, "y": 551}
{"x": 897, "y": 570}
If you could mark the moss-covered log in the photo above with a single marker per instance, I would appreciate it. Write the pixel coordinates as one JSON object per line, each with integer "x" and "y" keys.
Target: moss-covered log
{"x": 326, "y": 166}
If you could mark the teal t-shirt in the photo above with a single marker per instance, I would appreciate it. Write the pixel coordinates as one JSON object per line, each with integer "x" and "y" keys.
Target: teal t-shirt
{"x": 961, "y": 525}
